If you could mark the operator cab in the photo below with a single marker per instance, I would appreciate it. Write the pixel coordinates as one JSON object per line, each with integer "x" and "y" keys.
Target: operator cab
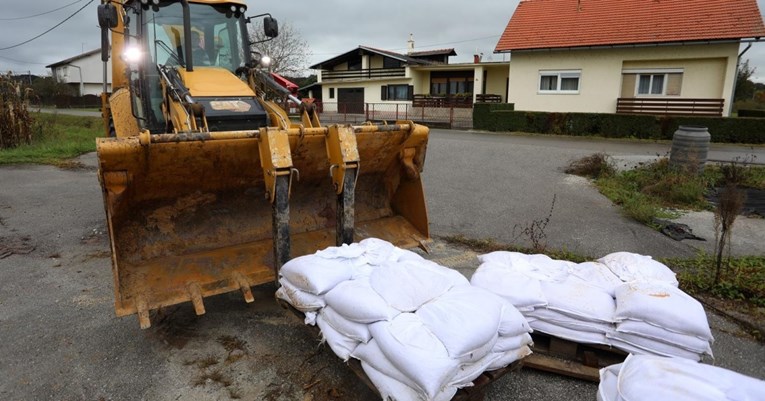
{"x": 218, "y": 39}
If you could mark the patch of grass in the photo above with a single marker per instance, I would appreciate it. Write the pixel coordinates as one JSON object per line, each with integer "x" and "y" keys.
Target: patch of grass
{"x": 593, "y": 166}
{"x": 648, "y": 191}
{"x": 55, "y": 139}
{"x": 485, "y": 245}
{"x": 742, "y": 280}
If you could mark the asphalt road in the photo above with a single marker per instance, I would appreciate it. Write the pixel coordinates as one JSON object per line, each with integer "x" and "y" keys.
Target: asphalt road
{"x": 62, "y": 341}
{"x": 488, "y": 185}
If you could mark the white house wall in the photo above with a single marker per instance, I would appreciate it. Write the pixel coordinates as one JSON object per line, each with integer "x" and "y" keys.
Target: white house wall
{"x": 496, "y": 81}
{"x": 372, "y": 91}
{"x": 92, "y": 73}
{"x": 708, "y": 72}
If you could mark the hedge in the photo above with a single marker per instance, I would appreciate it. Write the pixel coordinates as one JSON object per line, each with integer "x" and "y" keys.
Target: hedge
{"x": 751, "y": 113}
{"x": 502, "y": 117}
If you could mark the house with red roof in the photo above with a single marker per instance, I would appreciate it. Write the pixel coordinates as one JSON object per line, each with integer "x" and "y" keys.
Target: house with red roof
{"x": 606, "y": 56}
{"x": 351, "y": 81}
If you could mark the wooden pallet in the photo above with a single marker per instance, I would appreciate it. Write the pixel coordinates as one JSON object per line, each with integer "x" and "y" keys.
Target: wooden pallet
{"x": 477, "y": 392}
{"x": 568, "y": 358}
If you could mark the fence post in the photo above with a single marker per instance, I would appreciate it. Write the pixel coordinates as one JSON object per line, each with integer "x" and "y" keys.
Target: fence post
{"x": 406, "y": 113}
{"x": 451, "y": 117}
{"x": 366, "y": 114}
{"x": 396, "y": 111}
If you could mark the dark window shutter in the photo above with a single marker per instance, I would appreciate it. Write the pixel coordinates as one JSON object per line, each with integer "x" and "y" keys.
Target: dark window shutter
{"x": 383, "y": 93}
{"x": 410, "y": 93}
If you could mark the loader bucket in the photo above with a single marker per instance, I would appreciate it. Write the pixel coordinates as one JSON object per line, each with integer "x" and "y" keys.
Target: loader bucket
{"x": 195, "y": 215}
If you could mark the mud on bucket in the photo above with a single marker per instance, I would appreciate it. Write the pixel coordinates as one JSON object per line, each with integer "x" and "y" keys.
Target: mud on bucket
{"x": 690, "y": 145}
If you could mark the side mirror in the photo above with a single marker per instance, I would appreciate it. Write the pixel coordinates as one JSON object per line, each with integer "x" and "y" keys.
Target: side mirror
{"x": 271, "y": 27}
{"x": 107, "y": 16}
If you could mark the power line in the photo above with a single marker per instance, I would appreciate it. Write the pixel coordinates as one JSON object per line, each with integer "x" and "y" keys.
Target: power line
{"x": 20, "y": 61}
{"x": 52, "y": 28}
{"x": 37, "y": 15}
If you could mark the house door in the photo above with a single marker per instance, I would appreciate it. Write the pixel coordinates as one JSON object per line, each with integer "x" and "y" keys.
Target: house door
{"x": 350, "y": 100}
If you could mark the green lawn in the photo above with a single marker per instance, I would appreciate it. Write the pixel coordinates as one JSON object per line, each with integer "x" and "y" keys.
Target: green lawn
{"x": 56, "y": 138}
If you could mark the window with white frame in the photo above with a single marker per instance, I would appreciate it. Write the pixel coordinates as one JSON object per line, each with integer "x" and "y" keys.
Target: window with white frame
{"x": 651, "y": 84}
{"x": 565, "y": 81}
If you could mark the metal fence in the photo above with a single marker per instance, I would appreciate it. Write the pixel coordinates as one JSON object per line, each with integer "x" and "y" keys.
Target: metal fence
{"x": 436, "y": 117}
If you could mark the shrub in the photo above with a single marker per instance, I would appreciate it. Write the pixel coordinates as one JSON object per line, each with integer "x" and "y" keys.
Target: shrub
{"x": 502, "y": 117}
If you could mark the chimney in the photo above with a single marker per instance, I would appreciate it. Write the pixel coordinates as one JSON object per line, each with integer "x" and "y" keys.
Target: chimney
{"x": 477, "y": 57}
{"x": 410, "y": 44}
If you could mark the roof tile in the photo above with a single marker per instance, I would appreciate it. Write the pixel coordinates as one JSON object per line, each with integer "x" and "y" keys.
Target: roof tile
{"x": 542, "y": 24}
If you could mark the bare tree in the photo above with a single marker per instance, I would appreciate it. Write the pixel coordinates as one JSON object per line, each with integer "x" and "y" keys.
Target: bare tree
{"x": 288, "y": 52}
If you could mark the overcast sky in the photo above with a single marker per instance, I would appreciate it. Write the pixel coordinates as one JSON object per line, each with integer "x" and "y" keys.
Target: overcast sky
{"x": 330, "y": 27}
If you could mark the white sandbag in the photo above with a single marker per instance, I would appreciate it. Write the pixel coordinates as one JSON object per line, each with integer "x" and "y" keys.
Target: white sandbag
{"x": 478, "y": 353}
{"x": 609, "y": 376}
{"x": 631, "y": 267}
{"x": 642, "y": 345}
{"x": 355, "y": 330}
{"x": 310, "y": 318}
{"x": 408, "y": 285}
{"x": 315, "y": 274}
{"x": 662, "y": 305}
{"x": 597, "y": 275}
{"x": 540, "y": 267}
{"x": 299, "y": 299}
{"x": 391, "y": 389}
{"x": 504, "y": 258}
{"x": 371, "y": 354}
{"x": 345, "y": 251}
{"x": 579, "y": 300}
{"x": 689, "y": 342}
{"x": 377, "y": 251}
{"x": 512, "y": 322}
{"x": 340, "y": 344}
{"x": 362, "y": 272}
{"x": 569, "y": 322}
{"x": 524, "y": 292}
{"x": 509, "y": 356}
{"x": 464, "y": 319}
{"x": 468, "y": 372}
{"x": 505, "y": 344}
{"x": 403, "y": 255}
{"x": 414, "y": 350}
{"x": 568, "y": 334}
{"x": 357, "y": 301}
{"x": 647, "y": 378}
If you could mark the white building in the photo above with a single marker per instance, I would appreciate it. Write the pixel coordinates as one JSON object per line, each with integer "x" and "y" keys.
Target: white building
{"x": 84, "y": 72}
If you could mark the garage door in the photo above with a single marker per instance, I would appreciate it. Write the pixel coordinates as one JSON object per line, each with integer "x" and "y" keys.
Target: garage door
{"x": 350, "y": 100}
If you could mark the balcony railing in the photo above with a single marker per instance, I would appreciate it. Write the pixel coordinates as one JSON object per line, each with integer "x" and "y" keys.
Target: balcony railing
{"x": 368, "y": 73}
{"x": 670, "y": 106}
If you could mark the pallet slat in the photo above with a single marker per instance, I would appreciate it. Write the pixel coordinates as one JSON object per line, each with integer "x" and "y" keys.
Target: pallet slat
{"x": 568, "y": 358}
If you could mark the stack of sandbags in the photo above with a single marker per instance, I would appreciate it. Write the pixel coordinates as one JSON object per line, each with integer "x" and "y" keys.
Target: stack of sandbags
{"x": 651, "y": 378}
{"x": 609, "y": 302}
{"x": 420, "y": 330}
{"x": 557, "y": 297}
{"x": 660, "y": 319}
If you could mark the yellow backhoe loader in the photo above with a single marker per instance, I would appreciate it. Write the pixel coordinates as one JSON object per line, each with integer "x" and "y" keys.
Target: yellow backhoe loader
{"x": 208, "y": 186}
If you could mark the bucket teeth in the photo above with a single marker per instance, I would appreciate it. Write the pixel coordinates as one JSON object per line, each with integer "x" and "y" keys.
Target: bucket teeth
{"x": 143, "y": 314}
{"x": 196, "y": 298}
{"x": 244, "y": 285}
